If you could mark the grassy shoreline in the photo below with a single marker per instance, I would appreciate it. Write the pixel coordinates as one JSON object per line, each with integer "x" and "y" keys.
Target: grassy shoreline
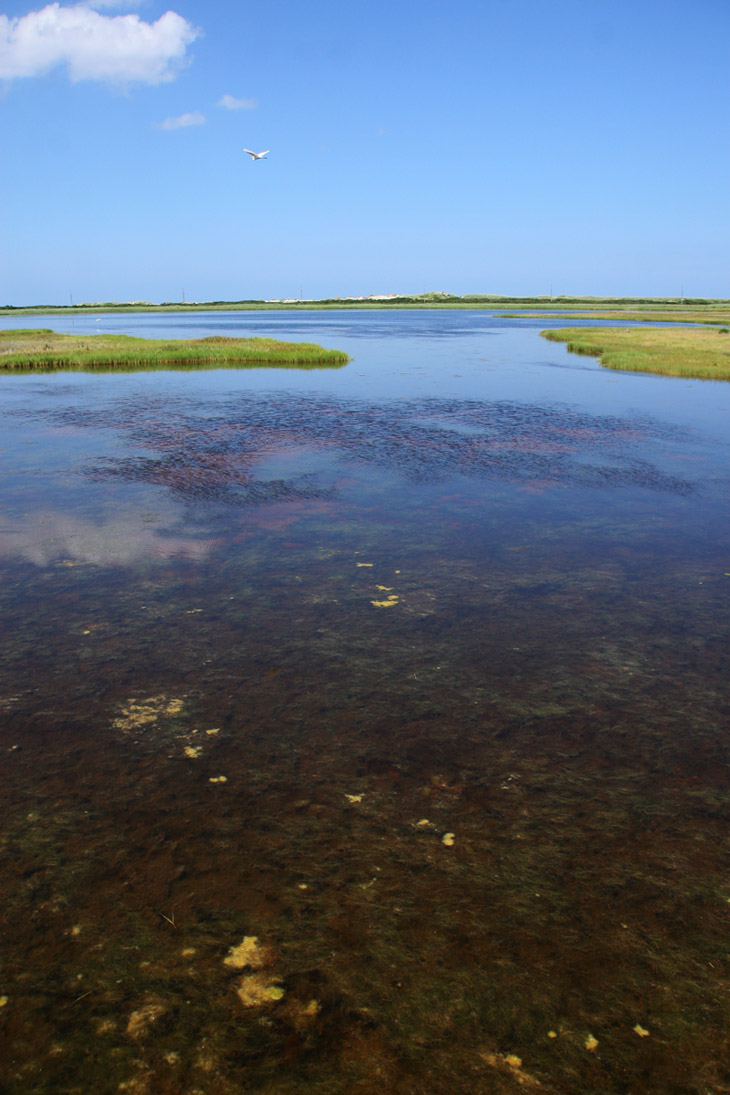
{"x": 710, "y": 315}
{"x": 691, "y": 352}
{"x": 41, "y": 348}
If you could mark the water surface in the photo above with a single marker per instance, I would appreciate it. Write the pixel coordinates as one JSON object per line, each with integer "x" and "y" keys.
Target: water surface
{"x": 414, "y": 671}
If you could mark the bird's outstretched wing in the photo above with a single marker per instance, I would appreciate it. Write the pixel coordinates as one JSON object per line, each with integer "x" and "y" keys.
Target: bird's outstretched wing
{"x": 250, "y": 152}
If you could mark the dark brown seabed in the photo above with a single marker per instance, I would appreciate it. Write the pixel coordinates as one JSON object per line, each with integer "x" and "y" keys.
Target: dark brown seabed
{"x": 479, "y": 834}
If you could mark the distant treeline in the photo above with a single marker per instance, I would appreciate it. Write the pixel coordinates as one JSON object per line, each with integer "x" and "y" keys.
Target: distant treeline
{"x": 424, "y": 299}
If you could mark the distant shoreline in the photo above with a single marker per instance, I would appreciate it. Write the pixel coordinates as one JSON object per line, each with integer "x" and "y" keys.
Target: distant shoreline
{"x": 436, "y": 300}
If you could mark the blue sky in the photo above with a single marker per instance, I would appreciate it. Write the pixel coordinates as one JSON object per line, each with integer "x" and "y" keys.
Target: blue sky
{"x": 512, "y": 147}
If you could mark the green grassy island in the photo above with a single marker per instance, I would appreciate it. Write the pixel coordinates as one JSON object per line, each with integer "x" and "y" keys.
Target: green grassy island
{"x": 674, "y": 351}
{"x": 43, "y": 349}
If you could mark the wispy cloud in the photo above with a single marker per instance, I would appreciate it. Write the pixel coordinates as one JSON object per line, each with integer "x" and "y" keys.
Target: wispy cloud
{"x": 193, "y": 117}
{"x": 230, "y": 102}
{"x": 119, "y": 49}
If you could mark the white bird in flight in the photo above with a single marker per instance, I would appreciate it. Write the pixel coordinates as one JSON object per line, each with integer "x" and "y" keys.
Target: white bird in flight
{"x": 257, "y": 155}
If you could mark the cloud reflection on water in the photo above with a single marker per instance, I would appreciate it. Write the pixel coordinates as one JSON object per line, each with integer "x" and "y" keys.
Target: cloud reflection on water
{"x": 48, "y": 537}
{"x": 192, "y": 463}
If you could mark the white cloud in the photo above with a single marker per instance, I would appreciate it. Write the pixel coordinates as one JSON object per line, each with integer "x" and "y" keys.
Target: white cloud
{"x": 230, "y": 102}
{"x": 119, "y": 49}
{"x": 194, "y": 117}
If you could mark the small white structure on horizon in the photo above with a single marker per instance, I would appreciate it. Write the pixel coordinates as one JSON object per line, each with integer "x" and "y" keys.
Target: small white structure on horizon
{"x": 257, "y": 155}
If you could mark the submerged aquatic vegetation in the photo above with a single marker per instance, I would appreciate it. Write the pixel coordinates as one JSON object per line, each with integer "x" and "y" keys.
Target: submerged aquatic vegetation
{"x": 257, "y": 989}
{"x": 426, "y": 440}
{"x": 455, "y": 845}
{"x": 249, "y": 952}
{"x": 42, "y": 348}
{"x": 143, "y": 1018}
{"x": 137, "y": 714}
{"x": 144, "y": 713}
{"x": 686, "y": 351}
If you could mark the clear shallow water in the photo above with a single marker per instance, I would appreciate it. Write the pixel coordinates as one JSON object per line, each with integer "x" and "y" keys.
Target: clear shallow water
{"x": 468, "y": 584}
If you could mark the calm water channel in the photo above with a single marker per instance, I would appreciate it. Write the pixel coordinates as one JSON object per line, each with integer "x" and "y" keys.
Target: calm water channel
{"x": 364, "y": 730}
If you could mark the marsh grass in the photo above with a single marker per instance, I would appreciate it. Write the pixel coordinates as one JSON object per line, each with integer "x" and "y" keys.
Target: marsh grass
{"x": 43, "y": 349}
{"x": 687, "y": 351}
{"x": 709, "y": 315}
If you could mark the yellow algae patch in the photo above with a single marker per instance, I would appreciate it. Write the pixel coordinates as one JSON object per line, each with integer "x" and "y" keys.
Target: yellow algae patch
{"x": 216, "y": 731}
{"x": 641, "y": 1031}
{"x": 188, "y": 952}
{"x": 218, "y": 779}
{"x": 193, "y": 751}
{"x": 256, "y": 989}
{"x": 392, "y": 600}
{"x": 513, "y": 1063}
{"x": 385, "y": 589}
{"x": 354, "y": 798}
{"x": 249, "y": 952}
{"x": 552, "y": 1034}
{"x": 422, "y": 823}
{"x": 139, "y": 713}
{"x": 4, "y": 1001}
{"x": 448, "y": 839}
{"x": 364, "y": 564}
{"x": 142, "y": 1019}
{"x": 591, "y": 1043}
{"x": 302, "y": 1015}
{"x": 135, "y": 715}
